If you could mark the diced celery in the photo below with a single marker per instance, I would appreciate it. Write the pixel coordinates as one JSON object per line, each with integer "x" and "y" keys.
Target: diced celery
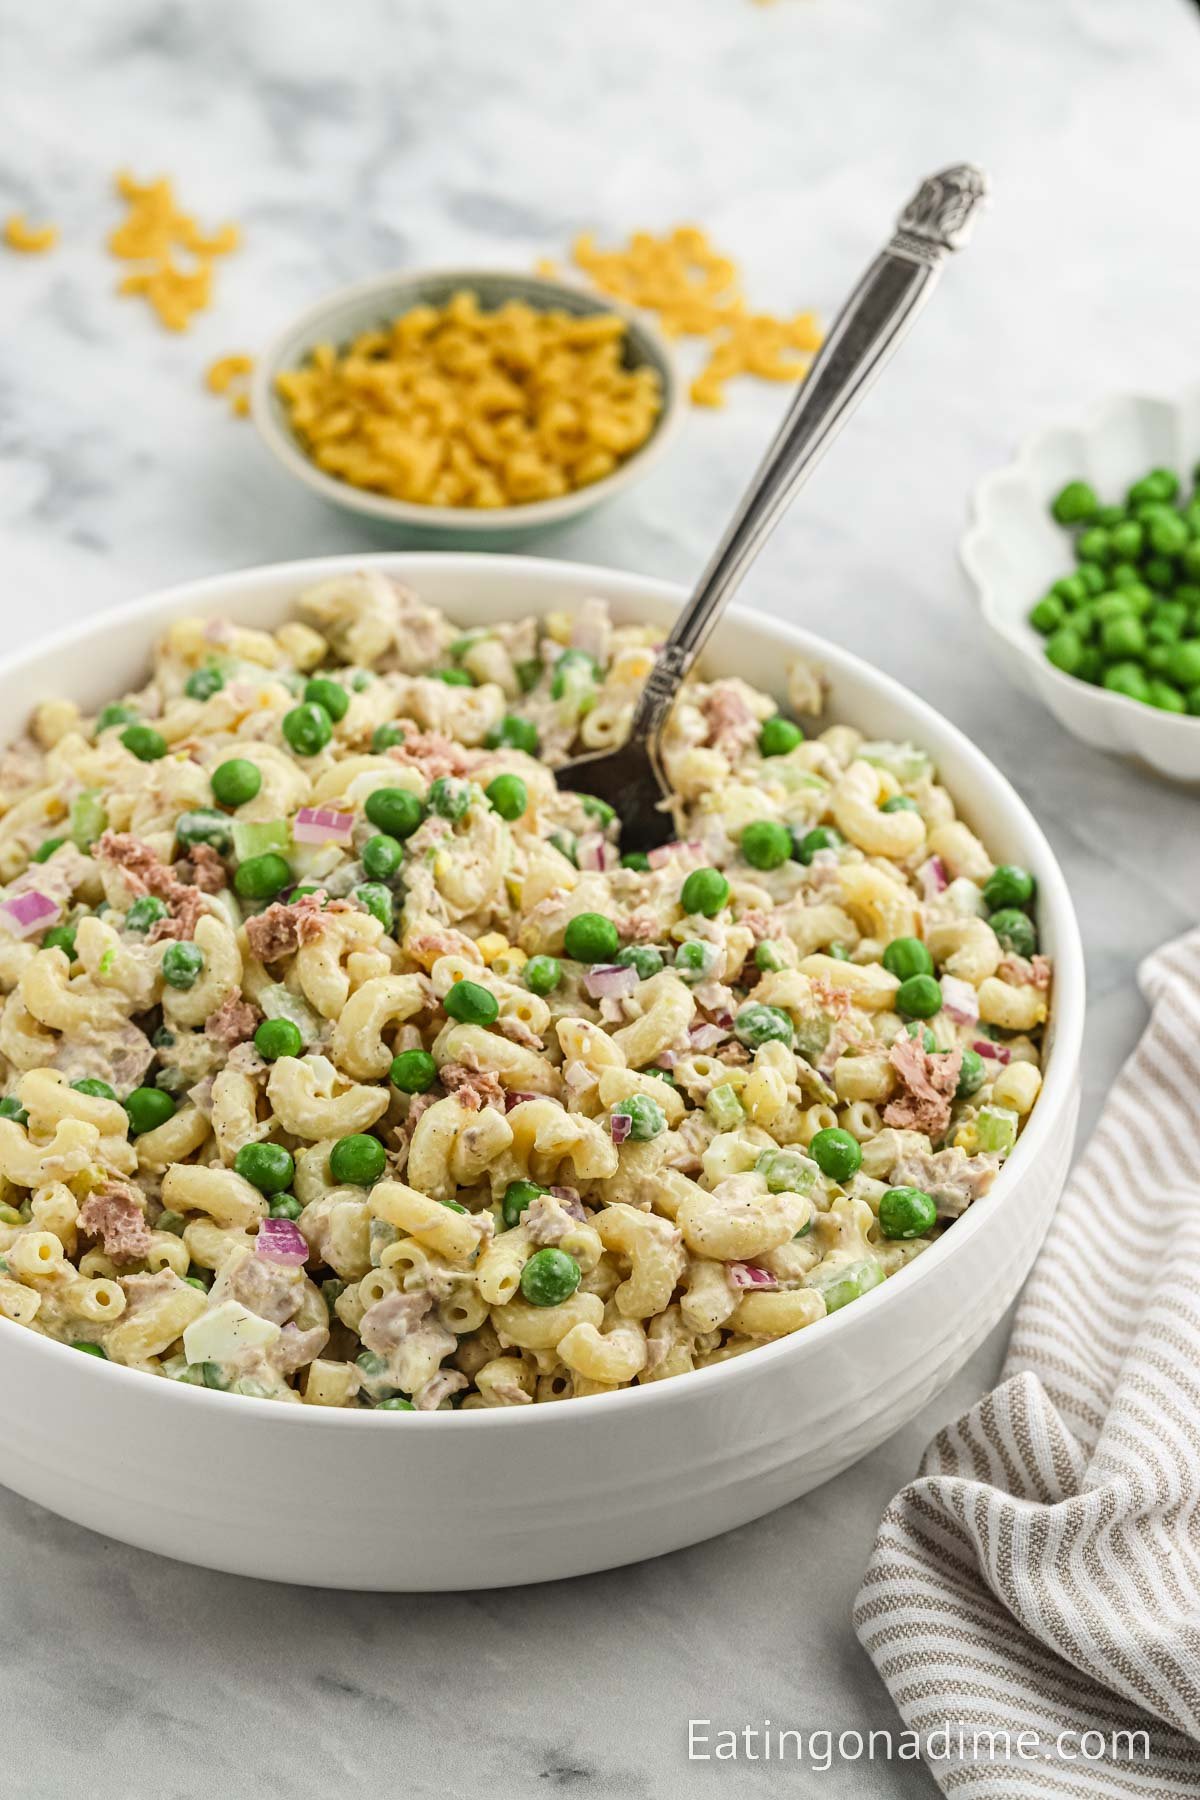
{"x": 907, "y": 762}
{"x": 845, "y": 1282}
{"x": 812, "y": 1035}
{"x": 724, "y": 1108}
{"x": 256, "y": 838}
{"x": 793, "y": 779}
{"x": 87, "y": 818}
{"x": 787, "y": 1172}
{"x": 996, "y": 1128}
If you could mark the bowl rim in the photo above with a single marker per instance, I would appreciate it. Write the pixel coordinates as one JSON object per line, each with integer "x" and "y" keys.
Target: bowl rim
{"x": 1061, "y": 1069}
{"x": 1015, "y": 631}
{"x": 282, "y": 445}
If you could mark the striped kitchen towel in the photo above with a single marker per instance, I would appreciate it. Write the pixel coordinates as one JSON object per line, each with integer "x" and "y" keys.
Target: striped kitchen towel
{"x": 1041, "y": 1576}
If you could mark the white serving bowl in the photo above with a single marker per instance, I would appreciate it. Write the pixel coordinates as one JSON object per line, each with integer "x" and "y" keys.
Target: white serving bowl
{"x": 1014, "y": 550}
{"x": 487, "y": 1499}
{"x": 341, "y": 316}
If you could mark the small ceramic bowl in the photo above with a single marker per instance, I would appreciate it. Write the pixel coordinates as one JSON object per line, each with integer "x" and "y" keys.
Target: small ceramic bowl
{"x": 341, "y": 316}
{"x": 1014, "y": 550}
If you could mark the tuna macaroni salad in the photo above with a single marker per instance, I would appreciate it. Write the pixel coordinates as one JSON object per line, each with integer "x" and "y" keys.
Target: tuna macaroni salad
{"x": 346, "y": 1061}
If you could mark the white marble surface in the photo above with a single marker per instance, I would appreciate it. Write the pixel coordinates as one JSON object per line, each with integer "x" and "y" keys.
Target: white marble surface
{"x": 352, "y": 138}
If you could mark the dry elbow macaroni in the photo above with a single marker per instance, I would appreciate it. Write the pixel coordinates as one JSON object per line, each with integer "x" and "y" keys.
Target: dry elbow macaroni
{"x": 345, "y": 1062}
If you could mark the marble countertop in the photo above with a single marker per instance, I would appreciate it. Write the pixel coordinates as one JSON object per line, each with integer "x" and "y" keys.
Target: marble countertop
{"x": 422, "y": 132}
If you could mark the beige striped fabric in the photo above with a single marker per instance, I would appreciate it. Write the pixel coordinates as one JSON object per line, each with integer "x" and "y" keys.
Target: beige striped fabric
{"x": 1042, "y": 1574}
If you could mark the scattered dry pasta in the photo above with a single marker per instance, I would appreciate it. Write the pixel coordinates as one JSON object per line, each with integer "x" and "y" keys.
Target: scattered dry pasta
{"x": 31, "y": 240}
{"x": 456, "y": 406}
{"x": 230, "y": 375}
{"x": 696, "y": 292}
{"x": 152, "y": 233}
{"x": 344, "y": 1061}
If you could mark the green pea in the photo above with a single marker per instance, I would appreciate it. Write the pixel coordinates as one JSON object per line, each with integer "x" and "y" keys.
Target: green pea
{"x": 907, "y": 956}
{"x": 90, "y": 1349}
{"x": 1074, "y": 503}
{"x": 1156, "y": 659}
{"x": 307, "y": 728}
{"x": 1123, "y": 637}
{"x": 550, "y": 1277}
{"x": 1094, "y": 545}
{"x": 695, "y": 959}
{"x": 382, "y": 856}
{"x": 1127, "y": 539}
{"x": 61, "y": 937}
{"x": 1089, "y": 575}
{"x": 358, "y": 1159}
{"x": 471, "y": 1004}
{"x": 1072, "y": 589}
{"x": 1168, "y": 623}
{"x": 449, "y": 798}
{"x": 146, "y": 910}
{"x": 144, "y": 742}
{"x": 643, "y": 957}
{"x": 1008, "y": 885}
{"x": 513, "y": 733}
{"x": 1159, "y": 572}
{"x": 278, "y": 1037}
{"x": 1128, "y": 678}
{"x": 268, "y": 1167}
{"x": 919, "y": 997}
{"x": 821, "y": 837}
{"x": 509, "y": 796}
{"x": 394, "y": 1403}
{"x": 542, "y": 974}
{"x": 646, "y": 1117}
{"x": 236, "y": 781}
{"x": 1184, "y": 664}
{"x": 394, "y": 811}
{"x": 636, "y": 859}
{"x": 285, "y": 1206}
{"x": 766, "y": 844}
{"x": 454, "y": 677}
{"x": 1064, "y": 648}
{"x": 592, "y": 938}
{"x": 1048, "y": 614}
{"x": 1167, "y": 697}
{"x": 906, "y": 1212}
{"x": 1015, "y": 930}
{"x": 413, "y": 1071}
{"x": 173, "y": 1222}
{"x": 915, "y": 1029}
{"x": 147, "y": 1108}
{"x": 11, "y": 1108}
{"x": 529, "y": 673}
{"x": 204, "y": 825}
{"x": 114, "y": 714}
{"x": 46, "y": 849}
{"x": 517, "y": 1196}
{"x": 378, "y": 901}
{"x": 261, "y": 877}
{"x": 1091, "y": 665}
{"x": 181, "y": 965}
{"x": 836, "y": 1153}
{"x": 757, "y": 1024}
{"x": 899, "y": 803}
{"x": 202, "y": 684}
{"x": 91, "y": 1084}
{"x": 1193, "y": 701}
{"x": 329, "y": 694}
{"x": 705, "y": 891}
{"x": 385, "y": 737}
{"x": 971, "y": 1075}
{"x": 768, "y": 957}
{"x": 1168, "y": 534}
{"x": 778, "y": 736}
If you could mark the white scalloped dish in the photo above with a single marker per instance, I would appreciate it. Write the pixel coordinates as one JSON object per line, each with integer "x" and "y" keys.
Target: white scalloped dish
{"x": 1014, "y": 550}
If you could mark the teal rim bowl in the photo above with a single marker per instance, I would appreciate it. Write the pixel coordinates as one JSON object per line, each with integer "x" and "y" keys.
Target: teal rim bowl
{"x": 341, "y": 316}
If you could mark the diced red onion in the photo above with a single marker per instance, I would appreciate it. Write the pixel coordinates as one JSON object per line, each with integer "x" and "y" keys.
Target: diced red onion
{"x": 218, "y": 631}
{"x": 749, "y": 1275}
{"x": 933, "y": 878}
{"x": 513, "y": 1098}
{"x": 596, "y": 853}
{"x": 706, "y": 1037}
{"x": 960, "y": 1002}
{"x": 667, "y": 1059}
{"x": 29, "y": 912}
{"x": 279, "y": 1241}
{"x": 322, "y": 825}
{"x": 620, "y": 1124}
{"x": 608, "y": 981}
{"x": 571, "y": 1201}
{"x": 658, "y": 858}
{"x": 997, "y": 1052}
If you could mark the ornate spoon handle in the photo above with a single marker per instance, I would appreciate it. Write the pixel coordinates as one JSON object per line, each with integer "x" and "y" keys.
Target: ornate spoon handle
{"x": 864, "y": 334}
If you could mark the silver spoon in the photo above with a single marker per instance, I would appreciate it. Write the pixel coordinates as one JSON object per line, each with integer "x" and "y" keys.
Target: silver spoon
{"x": 863, "y": 336}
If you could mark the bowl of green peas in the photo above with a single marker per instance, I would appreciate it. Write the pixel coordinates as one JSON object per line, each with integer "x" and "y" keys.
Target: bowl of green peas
{"x": 1086, "y": 557}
